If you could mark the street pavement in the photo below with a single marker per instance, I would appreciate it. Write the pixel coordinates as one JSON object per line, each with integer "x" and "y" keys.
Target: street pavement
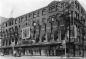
{"x": 37, "y": 57}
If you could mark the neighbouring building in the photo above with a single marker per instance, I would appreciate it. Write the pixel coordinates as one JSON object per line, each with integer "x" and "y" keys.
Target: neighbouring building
{"x": 54, "y": 30}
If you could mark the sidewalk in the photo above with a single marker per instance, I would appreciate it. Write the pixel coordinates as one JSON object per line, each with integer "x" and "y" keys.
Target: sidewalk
{"x": 39, "y": 57}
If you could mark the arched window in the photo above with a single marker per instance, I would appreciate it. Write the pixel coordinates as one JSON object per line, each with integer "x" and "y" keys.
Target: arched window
{"x": 16, "y": 28}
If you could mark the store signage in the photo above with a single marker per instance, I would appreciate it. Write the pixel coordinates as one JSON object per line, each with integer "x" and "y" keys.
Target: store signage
{"x": 26, "y": 32}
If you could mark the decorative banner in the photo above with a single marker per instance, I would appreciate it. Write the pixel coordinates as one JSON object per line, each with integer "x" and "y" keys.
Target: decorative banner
{"x": 26, "y": 32}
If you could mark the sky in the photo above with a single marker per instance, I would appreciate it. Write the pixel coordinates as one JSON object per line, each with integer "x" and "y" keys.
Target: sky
{"x": 15, "y": 8}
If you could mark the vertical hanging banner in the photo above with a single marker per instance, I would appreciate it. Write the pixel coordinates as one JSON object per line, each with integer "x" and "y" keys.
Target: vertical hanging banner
{"x": 25, "y": 32}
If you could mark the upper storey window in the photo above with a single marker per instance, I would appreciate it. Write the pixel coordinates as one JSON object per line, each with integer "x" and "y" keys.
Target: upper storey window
{"x": 52, "y": 8}
{"x": 30, "y": 15}
{"x": 82, "y": 11}
{"x": 19, "y": 19}
{"x": 44, "y": 11}
{"x": 12, "y": 22}
{"x": 35, "y": 14}
{"x": 77, "y": 5}
{"x": 16, "y": 28}
{"x": 26, "y": 17}
{"x": 16, "y": 21}
{"x": 6, "y": 24}
{"x": 9, "y": 23}
{"x": 60, "y": 6}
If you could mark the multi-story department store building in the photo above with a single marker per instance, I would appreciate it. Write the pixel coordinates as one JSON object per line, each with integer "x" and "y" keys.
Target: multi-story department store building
{"x": 54, "y": 30}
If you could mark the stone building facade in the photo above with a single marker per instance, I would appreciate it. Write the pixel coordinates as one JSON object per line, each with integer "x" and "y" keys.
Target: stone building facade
{"x": 46, "y": 31}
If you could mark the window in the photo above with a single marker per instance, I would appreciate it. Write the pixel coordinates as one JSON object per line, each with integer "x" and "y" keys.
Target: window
{"x": 43, "y": 20}
{"x": 78, "y": 39}
{"x": 52, "y": 18}
{"x": 30, "y": 15}
{"x": 34, "y": 14}
{"x": 37, "y": 38}
{"x": 6, "y": 32}
{"x": 16, "y": 28}
{"x": 62, "y": 23}
{"x": 82, "y": 20}
{"x": 82, "y": 11}
{"x": 37, "y": 13}
{"x": 12, "y": 22}
{"x": 9, "y": 23}
{"x": 52, "y": 8}
{"x": 15, "y": 21}
{"x": 59, "y": 6}
{"x": 43, "y": 38}
{"x": 65, "y": 4}
{"x": 25, "y": 17}
{"x": 78, "y": 16}
{"x": 19, "y": 19}
{"x": 26, "y": 23}
{"x": 75, "y": 14}
{"x": 49, "y": 37}
{"x": 55, "y": 35}
{"x": 19, "y": 26}
{"x": 44, "y": 11}
{"x": 76, "y": 4}
{"x": 12, "y": 29}
{"x": 6, "y": 24}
